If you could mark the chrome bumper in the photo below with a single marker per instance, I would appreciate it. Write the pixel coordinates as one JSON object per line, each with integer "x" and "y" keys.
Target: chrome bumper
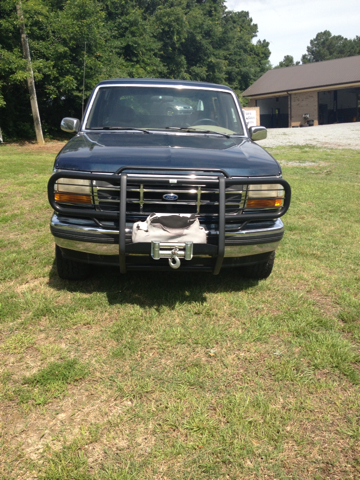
{"x": 84, "y": 236}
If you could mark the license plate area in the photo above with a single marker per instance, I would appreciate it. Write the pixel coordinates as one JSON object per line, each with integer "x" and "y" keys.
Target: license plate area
{"x": 171, "y": 250}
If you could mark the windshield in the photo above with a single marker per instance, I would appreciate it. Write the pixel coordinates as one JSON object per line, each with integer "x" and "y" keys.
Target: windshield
{"x": 159, "y": 108}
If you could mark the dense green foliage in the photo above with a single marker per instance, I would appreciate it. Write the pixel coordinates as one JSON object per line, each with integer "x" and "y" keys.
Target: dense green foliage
{"x": 287, "y": 61}
{"x": 185, "y": 39}
{"x": 325, "y": 46}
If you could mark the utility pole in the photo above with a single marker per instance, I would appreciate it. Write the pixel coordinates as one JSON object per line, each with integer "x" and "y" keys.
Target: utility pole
{"x": 30, "y": 78}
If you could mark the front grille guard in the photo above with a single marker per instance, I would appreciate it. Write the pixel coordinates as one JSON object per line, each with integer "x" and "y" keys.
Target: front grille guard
{"x": 121, "y": 177}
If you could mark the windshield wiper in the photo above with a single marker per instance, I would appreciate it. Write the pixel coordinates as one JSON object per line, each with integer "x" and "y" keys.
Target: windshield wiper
{"x": 197, "y": 130}
{"x": 120, "y": 128}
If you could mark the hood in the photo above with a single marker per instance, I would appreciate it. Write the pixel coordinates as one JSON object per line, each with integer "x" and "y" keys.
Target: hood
{"x": 108, "y": 152}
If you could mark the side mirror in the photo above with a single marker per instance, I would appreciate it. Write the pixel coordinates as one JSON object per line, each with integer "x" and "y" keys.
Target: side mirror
{"x": 257, "y": 133}
{"x": 70, "y": 125}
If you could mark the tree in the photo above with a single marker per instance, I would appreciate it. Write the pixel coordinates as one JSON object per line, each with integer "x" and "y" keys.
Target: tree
{"x": 30, "y": 77}
{"x": 326, "y": 46}
{"x": 288, "y": 61}
{"x": 246, "y": 60}
{"x": 184, "y": 39}
{"x": 57, "y": 31}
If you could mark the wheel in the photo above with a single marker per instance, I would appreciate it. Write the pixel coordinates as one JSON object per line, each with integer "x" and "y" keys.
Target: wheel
{"x": 260, "y": 271}
{"x": 205, "y": 121}
{"x": 70, "y": 270}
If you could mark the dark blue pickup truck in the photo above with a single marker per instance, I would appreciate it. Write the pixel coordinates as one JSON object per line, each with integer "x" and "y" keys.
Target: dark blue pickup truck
{"x": 165, "y": 175}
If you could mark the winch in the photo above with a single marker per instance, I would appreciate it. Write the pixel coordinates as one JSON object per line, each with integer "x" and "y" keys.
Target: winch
{"x": 173, "y": 251}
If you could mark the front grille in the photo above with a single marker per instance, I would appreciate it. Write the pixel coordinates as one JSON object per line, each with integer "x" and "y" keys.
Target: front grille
{"x": 198, "y": 196}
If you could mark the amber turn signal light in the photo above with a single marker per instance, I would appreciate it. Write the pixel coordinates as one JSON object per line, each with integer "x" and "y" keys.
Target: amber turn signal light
{"x": 264, "y": 203}
{"x": 71, "y": 198}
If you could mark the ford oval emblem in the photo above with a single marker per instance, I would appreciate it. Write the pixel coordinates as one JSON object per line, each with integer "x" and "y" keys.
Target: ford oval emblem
{"x": 171, "y": 197}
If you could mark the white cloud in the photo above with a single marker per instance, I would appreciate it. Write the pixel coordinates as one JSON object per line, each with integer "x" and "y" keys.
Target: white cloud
{"x": 289, "y": 25}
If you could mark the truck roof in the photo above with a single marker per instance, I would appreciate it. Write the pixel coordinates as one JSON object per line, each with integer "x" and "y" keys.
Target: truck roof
{"x": 160, "y": 81}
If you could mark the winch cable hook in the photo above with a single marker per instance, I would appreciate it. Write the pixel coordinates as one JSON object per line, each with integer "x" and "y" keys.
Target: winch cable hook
{"x": 174, "y": 260}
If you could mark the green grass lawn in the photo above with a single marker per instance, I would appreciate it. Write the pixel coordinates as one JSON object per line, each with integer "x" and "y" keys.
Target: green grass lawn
{"x": 183, "y": 376}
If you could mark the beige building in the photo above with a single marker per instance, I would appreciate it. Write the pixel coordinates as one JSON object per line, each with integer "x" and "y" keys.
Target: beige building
{"x": 311, "y": 94}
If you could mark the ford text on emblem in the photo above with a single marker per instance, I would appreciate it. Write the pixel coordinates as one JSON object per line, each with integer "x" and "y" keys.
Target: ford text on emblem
{"x": 170, "y": 197}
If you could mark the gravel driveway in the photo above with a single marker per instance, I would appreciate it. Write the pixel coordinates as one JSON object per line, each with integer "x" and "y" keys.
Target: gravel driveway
{"x": 341, "y": 135}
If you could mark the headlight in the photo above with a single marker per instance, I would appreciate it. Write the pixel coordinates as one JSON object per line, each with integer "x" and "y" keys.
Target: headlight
{"x": 73, "y": 190}
{"x": 264, "y": 196}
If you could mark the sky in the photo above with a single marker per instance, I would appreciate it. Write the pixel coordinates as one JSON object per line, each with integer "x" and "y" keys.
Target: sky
{"x": 289, "y": 25}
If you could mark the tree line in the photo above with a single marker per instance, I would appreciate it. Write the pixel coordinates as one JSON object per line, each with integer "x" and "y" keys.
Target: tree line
{"x": 184, "y": 39}
{"x": 325, "y": 46}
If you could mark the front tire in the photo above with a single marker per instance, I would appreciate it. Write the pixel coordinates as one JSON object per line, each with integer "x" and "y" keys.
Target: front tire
{"x": 68, "y": 269}
{"x": 260, "y": 271}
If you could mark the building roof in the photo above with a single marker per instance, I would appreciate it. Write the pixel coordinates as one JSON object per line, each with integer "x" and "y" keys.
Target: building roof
{"x": 340, "y": 71}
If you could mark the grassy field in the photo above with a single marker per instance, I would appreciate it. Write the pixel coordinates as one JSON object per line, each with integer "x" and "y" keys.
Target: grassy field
{"x": 183, "y": 376}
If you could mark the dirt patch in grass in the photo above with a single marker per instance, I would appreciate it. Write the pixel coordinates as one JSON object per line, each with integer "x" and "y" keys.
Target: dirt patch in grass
{"x": 303, "y": 164}
{"x": 34, "y": 435}
{"x": 324, "y": 303}
{"x": 64, "y": 421}
{"x": 35, "y": 284}
{"x": 316, "y": 460}
{"x": 49, "y": 147}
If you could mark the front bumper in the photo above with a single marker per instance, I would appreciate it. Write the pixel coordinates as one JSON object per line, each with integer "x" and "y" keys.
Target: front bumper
{"x": 102, "y": 234}
{"x": 86, "y": 236}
